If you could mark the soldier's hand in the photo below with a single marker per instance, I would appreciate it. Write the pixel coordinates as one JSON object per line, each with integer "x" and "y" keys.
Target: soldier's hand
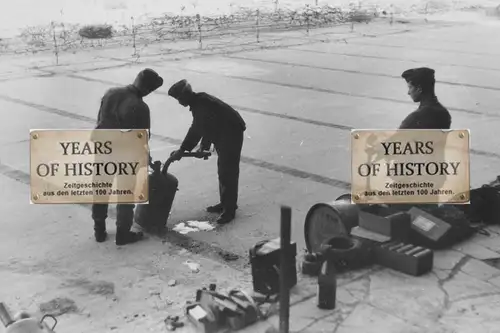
{"x": 201, "y": 150}
{"x": 176, "y": 155}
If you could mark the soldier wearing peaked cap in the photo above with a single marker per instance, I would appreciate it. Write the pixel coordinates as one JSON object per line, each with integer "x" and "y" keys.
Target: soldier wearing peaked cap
{"x": 430, "y": 113}
{"x": 124, "y": 108}
{"x": 214, "y": 122}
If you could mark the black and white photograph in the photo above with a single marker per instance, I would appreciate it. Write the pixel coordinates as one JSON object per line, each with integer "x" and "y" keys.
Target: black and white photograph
{"x": 192, "y": 166}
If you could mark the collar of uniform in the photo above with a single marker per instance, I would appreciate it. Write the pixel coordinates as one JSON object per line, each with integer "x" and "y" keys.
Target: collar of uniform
{"x": 194, "y": 102}
{"x": 429, "y": 101}
{"x": 134, "y": 89}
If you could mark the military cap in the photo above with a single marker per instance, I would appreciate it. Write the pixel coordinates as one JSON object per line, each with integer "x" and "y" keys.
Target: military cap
{"x": 419, "y": 76}
{"x": 179, "y": 88}
{"x": 148, "y": 79}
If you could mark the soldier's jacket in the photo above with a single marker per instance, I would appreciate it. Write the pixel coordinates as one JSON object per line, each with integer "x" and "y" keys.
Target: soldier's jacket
{"x": 213, "y": 121}
{"x": 430, "y": 115}
{"x": 123, "y": 108}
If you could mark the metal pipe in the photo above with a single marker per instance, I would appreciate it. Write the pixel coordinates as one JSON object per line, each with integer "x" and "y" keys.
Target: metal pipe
{"x": 286, "y": 231}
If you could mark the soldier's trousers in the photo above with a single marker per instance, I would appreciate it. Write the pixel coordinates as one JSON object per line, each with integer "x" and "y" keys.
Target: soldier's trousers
{"x": 124, "y": 212}
{"x": 228, "y": 167}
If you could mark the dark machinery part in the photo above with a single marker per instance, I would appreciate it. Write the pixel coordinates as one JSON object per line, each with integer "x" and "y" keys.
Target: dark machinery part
{"x": 327, "y": 286}
{"x": 345, "y": 197}
{"x": 265, "y": 264}
{"x": 24, "y": 323}
{"x": 311, "y": 264}
{"x": 246, "y": 303}
{"x": 153, "y": 216}
{"x": 324, "y": 221}
{"x": 163, "y": 186}
{"x": 347, "y": 253}
{"x": 406, "y": 258}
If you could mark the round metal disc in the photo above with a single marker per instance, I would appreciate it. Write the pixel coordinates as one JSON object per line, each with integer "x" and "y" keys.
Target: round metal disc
{"x": 322, "y": 223}
{"x": 344, "y": 197}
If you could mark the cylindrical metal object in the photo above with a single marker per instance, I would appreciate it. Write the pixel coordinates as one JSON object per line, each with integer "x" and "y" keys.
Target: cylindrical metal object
{"x": 345, "y": 197}
{"x": 5, "y": 316}
{"x": 154, "y": 215}
{"x": 327, "y": 286}
{"x": 286, "y": 233}
{"x": 327, "y": 220}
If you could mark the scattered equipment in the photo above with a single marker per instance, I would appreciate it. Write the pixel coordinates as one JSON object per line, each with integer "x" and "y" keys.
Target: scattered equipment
{"x": 311, "y": 264}
{"x": 346, "y": 253}
{"x": 324, "y": 221}
{"x": 265, "y": 259}
{"x": 406, "y": 258}
{"x": 327, "y": 286}
{"x": 25, "y": 324}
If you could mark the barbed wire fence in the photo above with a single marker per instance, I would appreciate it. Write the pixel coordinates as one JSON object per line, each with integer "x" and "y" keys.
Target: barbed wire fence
{"x": 245, "y": 24}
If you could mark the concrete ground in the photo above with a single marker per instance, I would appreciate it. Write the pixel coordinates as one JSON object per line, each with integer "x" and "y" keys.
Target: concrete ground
{"x": 299, "y": 102}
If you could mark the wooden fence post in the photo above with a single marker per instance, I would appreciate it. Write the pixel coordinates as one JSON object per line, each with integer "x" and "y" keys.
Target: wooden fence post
{"x": 56, "y": 46}
{"x": 198, "y": 23}
{"x": 134, "y": 45}
{"x": 257, "y": 24}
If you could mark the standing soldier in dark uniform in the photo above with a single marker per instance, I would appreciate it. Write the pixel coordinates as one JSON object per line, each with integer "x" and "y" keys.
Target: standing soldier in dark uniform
{"x": 430, "y": 113}
{"x": 214, "y": 122}
{"x": 124, "y": 108}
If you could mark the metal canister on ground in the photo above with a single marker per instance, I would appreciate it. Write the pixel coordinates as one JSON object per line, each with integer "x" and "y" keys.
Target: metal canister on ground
{"x": 327, "y": 286}
{"x": 324, "y": 221}
{"x": 153, "y": 216}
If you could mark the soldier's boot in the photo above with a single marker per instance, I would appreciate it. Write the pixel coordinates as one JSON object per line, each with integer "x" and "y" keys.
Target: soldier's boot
{"x": 124, "y": 221}
{"x": 100, "y": 233}
{"x": 226, "y": 216}
{"x": 216, "y": 208}
{"x": 124, "y": 237}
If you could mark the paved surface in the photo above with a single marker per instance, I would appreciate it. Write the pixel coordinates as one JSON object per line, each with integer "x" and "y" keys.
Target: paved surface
{"x": 461, "y": 295}
{"x": 299, "y": 103}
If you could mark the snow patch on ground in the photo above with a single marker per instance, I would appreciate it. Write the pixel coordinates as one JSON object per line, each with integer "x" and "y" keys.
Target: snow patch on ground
{"x": 193, "y": 226}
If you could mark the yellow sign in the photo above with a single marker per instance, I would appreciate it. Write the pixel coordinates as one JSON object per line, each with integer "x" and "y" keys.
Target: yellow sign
{"x": 410, "y": 166}
{"x": 89, "y": 166}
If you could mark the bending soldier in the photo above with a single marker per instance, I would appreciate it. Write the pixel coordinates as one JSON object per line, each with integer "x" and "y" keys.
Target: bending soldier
{"x": 124, "y": 108}
{"x": 214, "y": 122}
